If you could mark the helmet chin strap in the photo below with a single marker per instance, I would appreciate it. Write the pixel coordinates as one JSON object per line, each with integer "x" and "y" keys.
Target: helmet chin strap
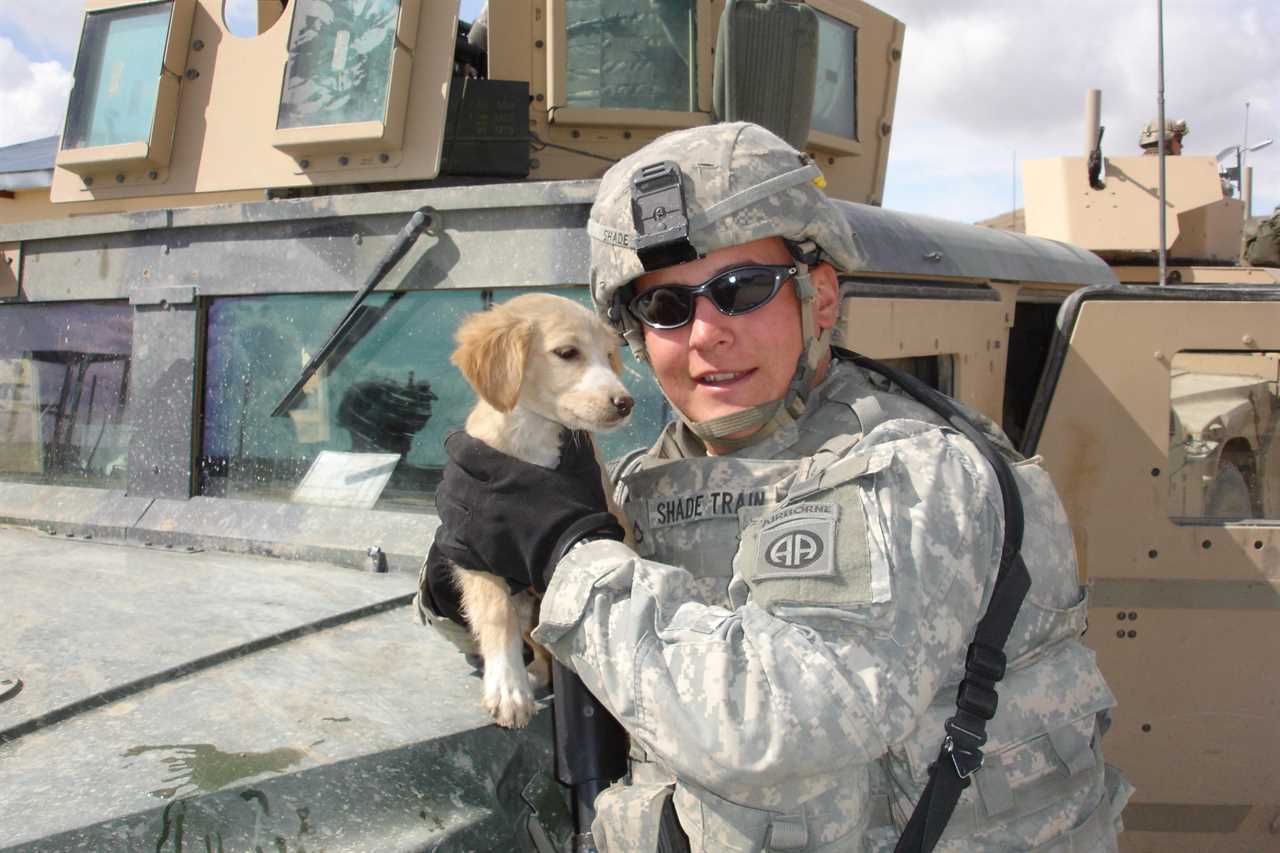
{"x": 763, "y": 419}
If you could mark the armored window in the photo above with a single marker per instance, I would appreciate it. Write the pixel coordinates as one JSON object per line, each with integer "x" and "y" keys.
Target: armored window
{"x": 1224, "y": 456}
{"x": 64, "y": 385}
{"x": 346, "y": 79}
{"x": 123, "y": 103}
{"x": 835, "y": 97}
{"x": 627, "y": 55}
{"x": 369, "y": 429}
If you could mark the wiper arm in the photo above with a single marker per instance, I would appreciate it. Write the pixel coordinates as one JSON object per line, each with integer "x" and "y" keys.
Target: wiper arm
{"x": 355, "y": 318}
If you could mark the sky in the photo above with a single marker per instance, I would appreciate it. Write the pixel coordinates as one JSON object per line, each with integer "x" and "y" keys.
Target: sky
{"x": 984, "y": 83}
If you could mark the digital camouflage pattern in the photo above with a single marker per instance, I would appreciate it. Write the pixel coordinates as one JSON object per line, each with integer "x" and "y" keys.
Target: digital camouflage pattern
{"x": 741, "y": 183}
{"x": 339, "y": 62}
{"x": 792, "y": 722}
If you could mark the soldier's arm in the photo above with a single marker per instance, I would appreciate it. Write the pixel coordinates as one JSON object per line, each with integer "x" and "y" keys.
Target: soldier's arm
{"x": 814, "y": 670}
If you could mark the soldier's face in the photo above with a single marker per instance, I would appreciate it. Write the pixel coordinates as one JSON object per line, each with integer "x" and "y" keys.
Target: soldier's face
{"x": 718, "y": 365}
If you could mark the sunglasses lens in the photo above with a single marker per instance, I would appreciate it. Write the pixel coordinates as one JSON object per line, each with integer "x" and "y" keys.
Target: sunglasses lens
{"x": 734, "y": 292}
{"x": 743, "y": 290}
{"x": 664, "y": 307}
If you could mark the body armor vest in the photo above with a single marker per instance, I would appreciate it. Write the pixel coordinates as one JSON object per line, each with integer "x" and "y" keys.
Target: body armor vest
{"x": 690, "y": 510}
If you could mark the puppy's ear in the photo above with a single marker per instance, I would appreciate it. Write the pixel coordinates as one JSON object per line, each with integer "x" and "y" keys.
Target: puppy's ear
{"x": 493, "y": 347}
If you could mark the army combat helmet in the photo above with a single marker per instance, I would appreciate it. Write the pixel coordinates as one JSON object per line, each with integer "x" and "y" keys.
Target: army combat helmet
{"x": 691, "y": 192}
{"x": 1150, "y": 135}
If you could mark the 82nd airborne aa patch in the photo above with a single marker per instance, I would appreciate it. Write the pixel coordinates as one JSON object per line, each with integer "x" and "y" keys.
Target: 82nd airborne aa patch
{"x": 798, "y": 542}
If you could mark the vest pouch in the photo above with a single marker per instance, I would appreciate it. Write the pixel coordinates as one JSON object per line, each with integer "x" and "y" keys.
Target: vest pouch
{"x": 1055, "y": 608}
{"x": 1097, "y": 832}
{"x": 629, "y": 818}
{"x": 1040, "y": 745}
{"x": 831, "y": 822}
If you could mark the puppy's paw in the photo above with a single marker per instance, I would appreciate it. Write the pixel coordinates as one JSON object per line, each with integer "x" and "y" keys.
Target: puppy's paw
{"x": 508, "y": 697}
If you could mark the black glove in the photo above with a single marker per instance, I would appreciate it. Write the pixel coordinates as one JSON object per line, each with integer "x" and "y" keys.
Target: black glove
{"x": 514, "y": 519}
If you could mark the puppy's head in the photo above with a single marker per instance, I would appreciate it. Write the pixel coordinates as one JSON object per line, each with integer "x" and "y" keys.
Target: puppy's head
{"x": 549, "y": 355}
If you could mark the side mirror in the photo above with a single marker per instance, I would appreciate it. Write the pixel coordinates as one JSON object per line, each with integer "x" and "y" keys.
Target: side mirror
{"x": 766, "y": 66}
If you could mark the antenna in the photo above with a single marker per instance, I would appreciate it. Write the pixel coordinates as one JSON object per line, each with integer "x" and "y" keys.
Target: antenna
{"x": 1164, "y": 255}
{"x": 1013, "y": 192}
{"x": 1244, "y": 149}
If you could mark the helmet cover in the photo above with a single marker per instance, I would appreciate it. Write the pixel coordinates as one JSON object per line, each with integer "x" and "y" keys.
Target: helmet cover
{"x": 740, "y": 183}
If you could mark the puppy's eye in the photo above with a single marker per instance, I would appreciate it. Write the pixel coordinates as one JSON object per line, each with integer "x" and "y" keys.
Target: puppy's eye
{"x": 567, "y": 353}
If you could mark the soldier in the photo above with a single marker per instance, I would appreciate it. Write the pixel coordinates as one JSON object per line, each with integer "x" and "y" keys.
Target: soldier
{"x": 813, "y": 549}
{"x": 1149, "y": 139}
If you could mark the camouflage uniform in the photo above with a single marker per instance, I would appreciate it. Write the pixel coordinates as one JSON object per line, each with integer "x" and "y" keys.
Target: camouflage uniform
{"x": 769, "y": 687}
{"x": 785, "y": 640}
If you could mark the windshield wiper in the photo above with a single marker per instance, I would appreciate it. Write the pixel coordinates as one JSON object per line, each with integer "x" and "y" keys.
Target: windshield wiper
{"x": 358, "y": 319}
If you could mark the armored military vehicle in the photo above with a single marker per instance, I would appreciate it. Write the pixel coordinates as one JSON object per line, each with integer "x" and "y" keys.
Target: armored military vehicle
{"x": 209, "y": 642}
{"x": 1163, "y": 443}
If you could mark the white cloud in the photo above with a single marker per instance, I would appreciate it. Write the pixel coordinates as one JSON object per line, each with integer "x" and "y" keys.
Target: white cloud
{"x": 33, "y": 95}
{"x": 50, "y": 27}
{"x": 984, "y": 79}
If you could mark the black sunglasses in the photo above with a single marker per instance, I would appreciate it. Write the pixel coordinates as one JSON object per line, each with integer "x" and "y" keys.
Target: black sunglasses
{"x": 733, "y": 292}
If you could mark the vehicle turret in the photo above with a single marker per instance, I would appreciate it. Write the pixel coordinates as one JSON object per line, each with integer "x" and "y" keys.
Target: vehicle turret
{"x": 169, "y": 104}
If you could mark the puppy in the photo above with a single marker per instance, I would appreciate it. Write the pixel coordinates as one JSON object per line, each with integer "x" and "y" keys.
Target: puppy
{"x": 539, "y": 364}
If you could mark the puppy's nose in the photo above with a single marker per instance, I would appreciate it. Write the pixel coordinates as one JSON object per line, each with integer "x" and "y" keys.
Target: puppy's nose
{"x": 624, "y": 404}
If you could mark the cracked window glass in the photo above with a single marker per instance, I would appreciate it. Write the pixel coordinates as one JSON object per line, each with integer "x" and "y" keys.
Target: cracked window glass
{"x": 368, "y": 432}
{"x": 64, "y": 386}
{"x": 628, "y": 55}
{"x": 1224, "y": 457}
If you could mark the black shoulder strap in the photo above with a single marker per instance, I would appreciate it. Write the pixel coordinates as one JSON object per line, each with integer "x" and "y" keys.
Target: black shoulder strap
{"x": 976, "y": 700}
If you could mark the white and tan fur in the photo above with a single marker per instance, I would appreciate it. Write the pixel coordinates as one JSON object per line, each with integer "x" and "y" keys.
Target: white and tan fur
{"x": 539, "y": 364}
